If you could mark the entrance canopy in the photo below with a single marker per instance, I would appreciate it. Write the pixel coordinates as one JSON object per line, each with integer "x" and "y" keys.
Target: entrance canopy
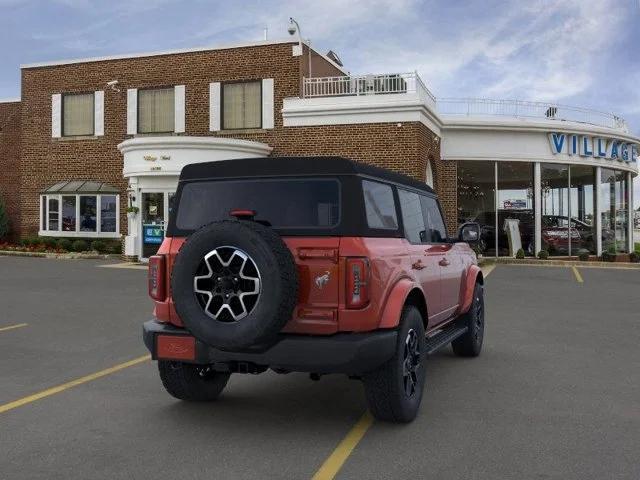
{"x": 80, "y": 186}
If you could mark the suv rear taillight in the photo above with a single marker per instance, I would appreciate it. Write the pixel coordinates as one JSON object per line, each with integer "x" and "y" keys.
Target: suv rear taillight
{"x": 157, "y": 271}
{"x": 357, "y": 282}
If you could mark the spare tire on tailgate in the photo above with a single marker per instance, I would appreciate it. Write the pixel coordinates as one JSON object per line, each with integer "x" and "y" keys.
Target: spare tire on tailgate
{"x": 234, "y": 284}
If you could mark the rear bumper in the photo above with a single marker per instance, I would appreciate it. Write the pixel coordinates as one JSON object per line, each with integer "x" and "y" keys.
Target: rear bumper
{"x": 348, "y": 353}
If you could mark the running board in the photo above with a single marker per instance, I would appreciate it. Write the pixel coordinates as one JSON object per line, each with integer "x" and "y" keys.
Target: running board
{"x": 443, "y": 338}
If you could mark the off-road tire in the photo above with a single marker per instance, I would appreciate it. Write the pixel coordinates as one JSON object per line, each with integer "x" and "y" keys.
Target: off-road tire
{"x": 470, "y": 344}
{"x": 385, "y": 387}
{"x": 195, "y": 383}
{"x": 278, "y": 278}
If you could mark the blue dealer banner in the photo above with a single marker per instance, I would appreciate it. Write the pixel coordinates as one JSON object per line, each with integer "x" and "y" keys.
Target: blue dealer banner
{"x": 153, "y": 234}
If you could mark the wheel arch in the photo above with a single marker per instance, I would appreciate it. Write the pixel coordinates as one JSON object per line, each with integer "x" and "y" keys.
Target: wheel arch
{"x": 405, "y": 292}
{"x": 474, "y": 275}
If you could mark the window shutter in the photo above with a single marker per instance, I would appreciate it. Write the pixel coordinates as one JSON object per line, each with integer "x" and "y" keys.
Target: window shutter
{"x": 179, "y": 109}
{"x": 98, "y": 113}
{"x": 267, "y": 103}
{"x": 214, "y": 106}
{"x": 132, "y": 111}
{"x": 56, "y": 115}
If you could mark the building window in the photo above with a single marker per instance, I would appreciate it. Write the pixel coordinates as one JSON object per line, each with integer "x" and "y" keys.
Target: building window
{"x": 156, "y": 110}
{"x": 79, "y": 216}
{"x": 614, "y": 210}
{"x": 69, "y": 213}
{"x": 108, "y": 213}
{"x": 516, "y": 215}
{"x": 88, "y": 213}
{"x": 242, "y": 105}
{"x": 477, "y": 200}
{"x": 77, "y": 114}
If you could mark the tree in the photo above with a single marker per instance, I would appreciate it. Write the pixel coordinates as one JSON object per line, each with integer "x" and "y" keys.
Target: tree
{"x": 4, "y": 220}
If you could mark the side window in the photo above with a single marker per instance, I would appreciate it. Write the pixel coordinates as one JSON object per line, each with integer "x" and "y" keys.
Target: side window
{"x": 436, "y": 231}
{"x": 412, "y": 216}
{"x": 379, "y": 205}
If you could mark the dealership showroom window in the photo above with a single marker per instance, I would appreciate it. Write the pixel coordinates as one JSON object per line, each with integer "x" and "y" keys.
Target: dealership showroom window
{"x": 569, "y": 196}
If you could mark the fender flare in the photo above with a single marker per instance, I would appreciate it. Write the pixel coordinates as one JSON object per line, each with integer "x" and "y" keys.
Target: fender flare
{"x": 474, "y": 274}
{"x": 395, "y": 303}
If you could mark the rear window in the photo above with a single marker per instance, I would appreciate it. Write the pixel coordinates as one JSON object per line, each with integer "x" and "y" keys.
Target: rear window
{"x": 283, "y": 203}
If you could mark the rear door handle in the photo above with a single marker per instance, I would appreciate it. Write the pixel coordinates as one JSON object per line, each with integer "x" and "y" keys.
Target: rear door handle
{"x": 444, "y": 262}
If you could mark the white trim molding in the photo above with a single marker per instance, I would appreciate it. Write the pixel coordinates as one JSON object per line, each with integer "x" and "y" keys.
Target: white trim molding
{"x": 132, "y": 111}
{"x": 98, "y": 113}
{"x": 214, "y": 107}
{"x": 391, "y": 108}
{"x": 179, "y": 109}
{"x": 177, "y": 52}
{"x": 267, "y": 103}
{"x": 56, "y": 115}
{"x": 167, "y": 155}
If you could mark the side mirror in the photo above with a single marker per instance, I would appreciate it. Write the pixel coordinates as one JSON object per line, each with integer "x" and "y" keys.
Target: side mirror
{"x": 469, "y": 233}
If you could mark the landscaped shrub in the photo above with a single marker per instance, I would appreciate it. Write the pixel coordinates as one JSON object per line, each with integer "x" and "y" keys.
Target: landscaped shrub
{"x": 610, "y": 254}
{"x": 634, "y": 257}
{"x": 64, "y": 244}
{"x": 99, "y": 246}
{"x": 543, "y": 254}
{"x": 29, "y": 241}
{"x": 583, "y": 255}
{"x": 79, "y": 245}
{"x": 115, "y": 248}
{"x": 49, "y": 242}
{"x": 4, "y": 220}
{"x": 520, "y": 253}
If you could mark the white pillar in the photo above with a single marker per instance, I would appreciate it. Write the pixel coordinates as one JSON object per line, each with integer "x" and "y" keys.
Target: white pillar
{"x": 537, "y": 206}
{"x": 598, "y": 213}
{"x": 630, "y": 211}
{"x": 131, "y": 243}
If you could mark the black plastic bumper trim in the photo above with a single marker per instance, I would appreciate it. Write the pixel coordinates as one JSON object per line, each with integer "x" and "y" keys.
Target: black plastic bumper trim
{"x": 348, "y": 353}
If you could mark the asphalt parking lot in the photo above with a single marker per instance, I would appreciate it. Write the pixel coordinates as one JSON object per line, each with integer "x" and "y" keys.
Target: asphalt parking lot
{"x": 555, "y": 393}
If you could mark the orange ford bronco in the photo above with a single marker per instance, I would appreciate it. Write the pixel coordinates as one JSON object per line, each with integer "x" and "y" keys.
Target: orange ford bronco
{"x": 319, "y": 265}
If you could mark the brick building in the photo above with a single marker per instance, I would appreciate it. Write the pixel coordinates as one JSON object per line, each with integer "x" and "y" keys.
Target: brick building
{"x": 90, "y": 138}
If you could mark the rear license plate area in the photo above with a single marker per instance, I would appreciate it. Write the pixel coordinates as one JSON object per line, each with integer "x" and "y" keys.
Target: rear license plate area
{"x": 175, "y": 347}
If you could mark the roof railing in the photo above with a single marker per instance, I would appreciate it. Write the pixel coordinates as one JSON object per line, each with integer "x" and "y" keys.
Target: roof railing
{"x": 357, "y": 85}
{"x": 525, "y": 109}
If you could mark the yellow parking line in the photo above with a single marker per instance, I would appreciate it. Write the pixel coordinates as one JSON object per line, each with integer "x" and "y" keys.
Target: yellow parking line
{"x": 333, "y": 464}
{"x": 11, "y": 327}
{"x": 577, "y": 274}
{"x": 79, "y": 381}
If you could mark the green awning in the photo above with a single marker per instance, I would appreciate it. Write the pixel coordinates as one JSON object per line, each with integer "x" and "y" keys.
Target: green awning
{"x": 81, "y": 186}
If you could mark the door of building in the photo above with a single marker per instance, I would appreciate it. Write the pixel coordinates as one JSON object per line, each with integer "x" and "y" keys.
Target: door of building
{"x": 156, "y": 207}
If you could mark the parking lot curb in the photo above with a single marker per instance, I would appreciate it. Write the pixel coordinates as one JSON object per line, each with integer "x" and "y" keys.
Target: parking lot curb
{"x": 62, "y": 256}
{"x": 561, "y": 263}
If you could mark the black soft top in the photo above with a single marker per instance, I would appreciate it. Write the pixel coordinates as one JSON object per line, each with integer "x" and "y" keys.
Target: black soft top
{"x": 293, "y": 166}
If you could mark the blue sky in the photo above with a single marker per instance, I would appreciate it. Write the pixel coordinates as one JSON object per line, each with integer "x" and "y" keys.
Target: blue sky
{"x": 578, "y": 52}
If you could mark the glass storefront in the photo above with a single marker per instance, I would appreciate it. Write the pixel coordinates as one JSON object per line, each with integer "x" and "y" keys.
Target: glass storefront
{"x": 614, "y": 210}
{"x": 516, "y": 215}
{"x": 582, "y": 209}
{"x": 568, "y": 202}
{"x": 477, "y": 201}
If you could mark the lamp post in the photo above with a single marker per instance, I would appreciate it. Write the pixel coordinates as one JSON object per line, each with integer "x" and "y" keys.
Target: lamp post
{"x": 294, "y": 28}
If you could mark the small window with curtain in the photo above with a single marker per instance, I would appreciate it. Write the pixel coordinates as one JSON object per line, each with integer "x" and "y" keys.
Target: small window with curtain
{"x": 77, "y": 114}
{"x": 242, "y": 105}
{"x": 156, "y": 110}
